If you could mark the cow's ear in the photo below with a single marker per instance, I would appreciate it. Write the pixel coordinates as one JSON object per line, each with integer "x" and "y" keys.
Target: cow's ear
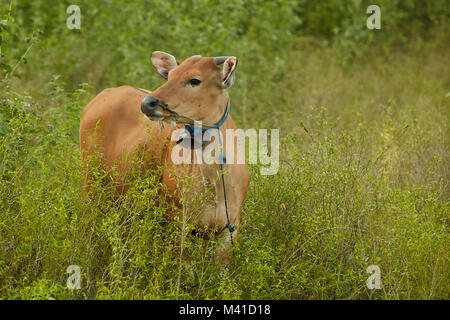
{"x": 228, "y": 71}
{"x": 163, "y": 62}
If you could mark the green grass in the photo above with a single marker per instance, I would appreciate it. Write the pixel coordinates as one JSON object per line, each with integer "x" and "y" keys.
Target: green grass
{"x": 363, "y": 180}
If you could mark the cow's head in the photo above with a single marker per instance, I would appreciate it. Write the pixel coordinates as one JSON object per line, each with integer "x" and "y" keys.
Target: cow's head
{"x": 195, "y": 89}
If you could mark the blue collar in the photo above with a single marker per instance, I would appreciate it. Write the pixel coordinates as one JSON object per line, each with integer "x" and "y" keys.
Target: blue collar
{"x": 194, "y": 131}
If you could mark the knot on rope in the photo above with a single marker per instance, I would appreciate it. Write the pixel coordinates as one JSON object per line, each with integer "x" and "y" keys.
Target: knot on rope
{"x": 230, "y": 227}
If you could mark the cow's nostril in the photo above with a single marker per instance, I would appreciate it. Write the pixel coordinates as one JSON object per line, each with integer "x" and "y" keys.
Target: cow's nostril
{"x": 149, "y": 105}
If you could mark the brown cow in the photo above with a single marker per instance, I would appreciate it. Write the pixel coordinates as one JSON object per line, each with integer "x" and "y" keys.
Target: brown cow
{"x": 118, "y": 120}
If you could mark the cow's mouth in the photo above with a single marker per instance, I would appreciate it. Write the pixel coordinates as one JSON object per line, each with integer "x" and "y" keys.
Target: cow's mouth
{"x": 157, "y": 116}
{"x": 152, "y": 108}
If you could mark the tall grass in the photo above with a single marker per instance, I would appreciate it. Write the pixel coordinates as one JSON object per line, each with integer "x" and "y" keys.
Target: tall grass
{"x": 363, "y": 177}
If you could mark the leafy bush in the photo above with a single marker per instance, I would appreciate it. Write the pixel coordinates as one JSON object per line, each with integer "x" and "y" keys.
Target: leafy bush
{"x": 364, "y": 151}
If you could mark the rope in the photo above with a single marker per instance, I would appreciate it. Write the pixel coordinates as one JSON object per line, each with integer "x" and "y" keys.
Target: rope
{"x": 191, "y": 130}
{"x": 223, "y": 160}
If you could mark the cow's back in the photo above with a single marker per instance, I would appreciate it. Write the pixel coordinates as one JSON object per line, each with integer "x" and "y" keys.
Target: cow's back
{"x": 113, "y": 126}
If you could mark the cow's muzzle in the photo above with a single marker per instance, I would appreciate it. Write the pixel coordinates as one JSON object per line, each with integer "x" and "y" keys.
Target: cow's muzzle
{"x": 149, "y": 106}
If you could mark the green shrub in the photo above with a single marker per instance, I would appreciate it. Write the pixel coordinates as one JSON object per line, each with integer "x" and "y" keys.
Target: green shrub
{"x": 363, "y": 179}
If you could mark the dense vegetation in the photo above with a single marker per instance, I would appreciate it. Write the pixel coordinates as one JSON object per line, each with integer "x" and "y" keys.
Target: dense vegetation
{"x": 364, "y": 119}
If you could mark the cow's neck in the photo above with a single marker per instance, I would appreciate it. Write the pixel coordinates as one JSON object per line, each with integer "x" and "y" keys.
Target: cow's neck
{"x": 204, "y": 175}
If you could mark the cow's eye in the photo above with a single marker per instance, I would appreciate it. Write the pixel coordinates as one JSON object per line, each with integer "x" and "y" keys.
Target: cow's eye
{"x": 194, "y": 82}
